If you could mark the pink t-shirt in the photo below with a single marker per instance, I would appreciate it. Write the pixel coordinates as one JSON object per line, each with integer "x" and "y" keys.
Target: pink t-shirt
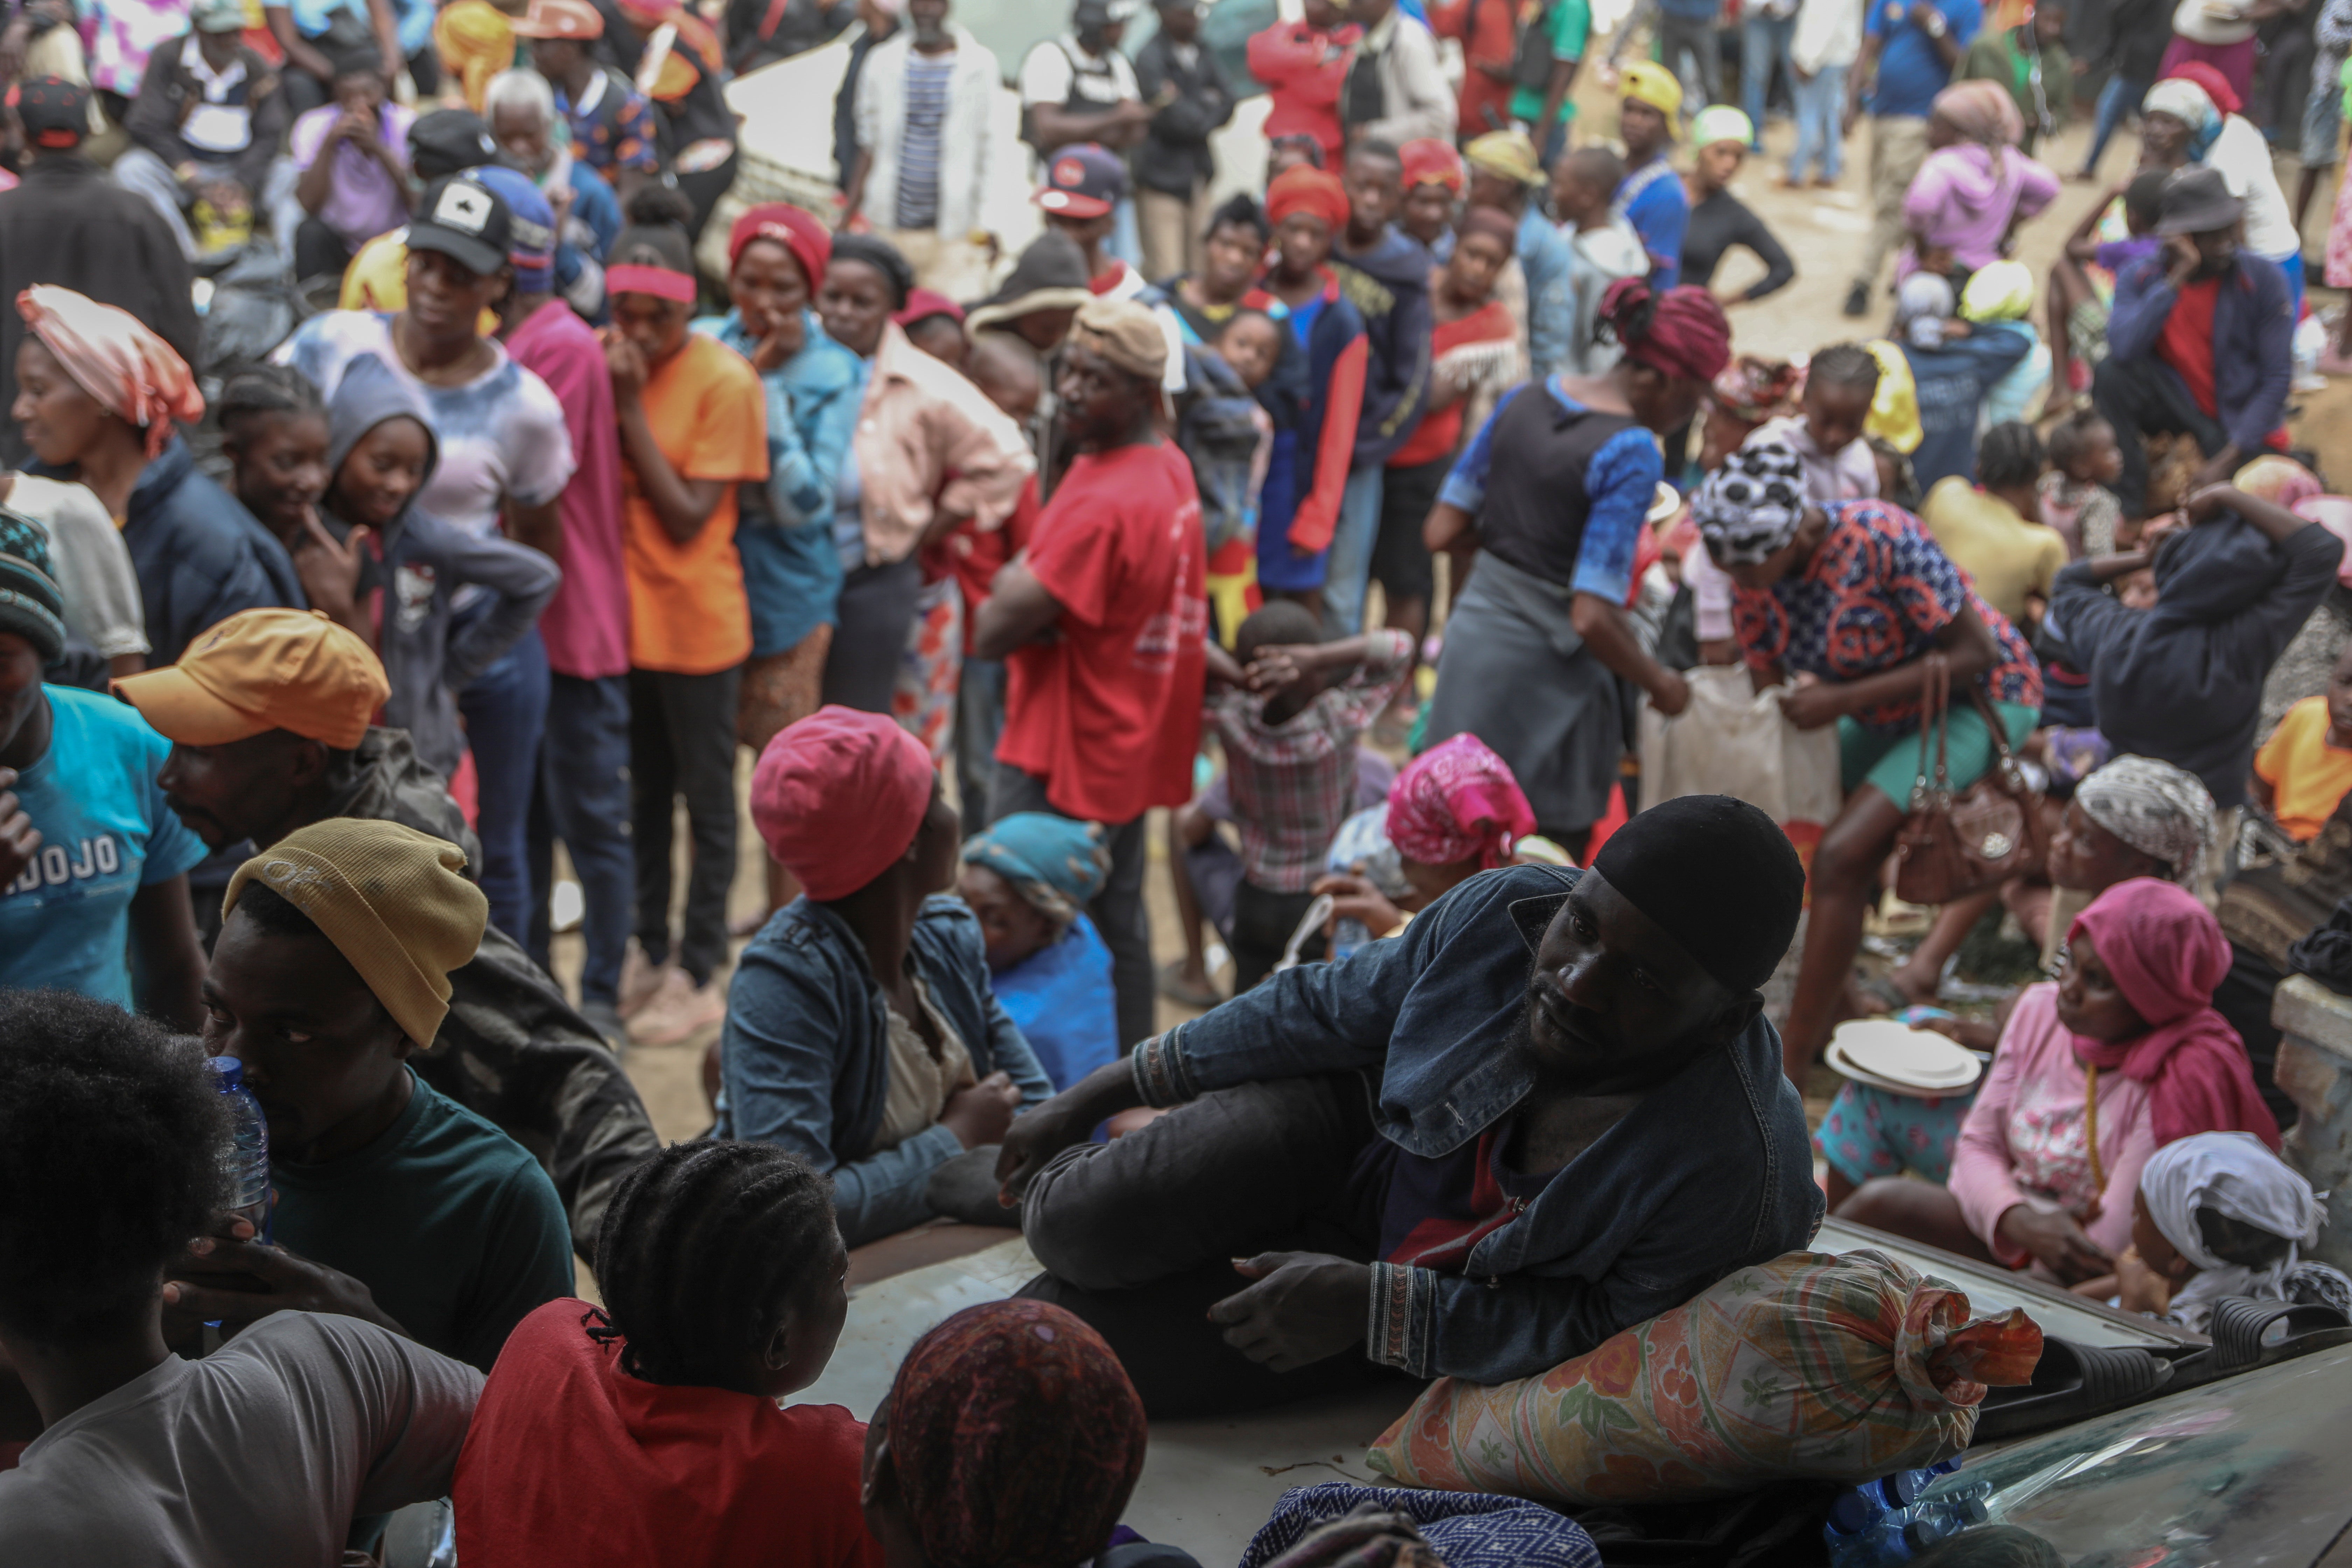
{"x": 587, "y": 625}
{"x": 2026, "y": 1141}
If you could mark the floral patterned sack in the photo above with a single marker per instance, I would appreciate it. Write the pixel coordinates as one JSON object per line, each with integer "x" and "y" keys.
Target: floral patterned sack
{"x": 1814, "y": 1366}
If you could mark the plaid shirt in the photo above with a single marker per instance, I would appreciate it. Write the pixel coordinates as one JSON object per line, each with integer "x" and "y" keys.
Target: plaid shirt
{"x": 1293, "y": 783}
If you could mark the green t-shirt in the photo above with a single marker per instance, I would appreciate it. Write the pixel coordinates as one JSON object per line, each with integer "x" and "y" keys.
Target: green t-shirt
{"x": 449, "y": 1222}
{"x": 1570, "y": 23}
{"x": 1995, "y": 56}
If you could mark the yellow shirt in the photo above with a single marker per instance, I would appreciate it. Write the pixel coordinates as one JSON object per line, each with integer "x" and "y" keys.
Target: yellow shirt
{"x": 2006, "y": 556}
{"x": 2307, "y": 777}
{"x": 377, "y": 279}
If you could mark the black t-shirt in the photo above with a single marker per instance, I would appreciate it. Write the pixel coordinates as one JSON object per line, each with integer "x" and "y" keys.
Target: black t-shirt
{"x": 1721, "y": 221}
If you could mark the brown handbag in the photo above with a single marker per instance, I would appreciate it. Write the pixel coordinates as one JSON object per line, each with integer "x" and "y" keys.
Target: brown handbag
{"x": 1951, "y": 847}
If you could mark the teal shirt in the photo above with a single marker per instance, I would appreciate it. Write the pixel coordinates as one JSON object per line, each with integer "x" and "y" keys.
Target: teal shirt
{"x": 449, "y": 1222}
{"x": 1570, "y": 25}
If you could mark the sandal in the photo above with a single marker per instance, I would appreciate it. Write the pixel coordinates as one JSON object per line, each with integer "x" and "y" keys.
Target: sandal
{"x": 1177, "y": 988}
{"x": 2071, "y": 1381}
{"x": 2240, "y": 1330}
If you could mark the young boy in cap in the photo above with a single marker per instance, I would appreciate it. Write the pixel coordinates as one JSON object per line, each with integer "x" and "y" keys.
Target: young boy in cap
{"x": 269, "y": 720}
{"x": 392, "y": 1202}
{"x": 92, "y": 863}
{"x": 1084, "y": 187}
{"x": 1101, "y": 624}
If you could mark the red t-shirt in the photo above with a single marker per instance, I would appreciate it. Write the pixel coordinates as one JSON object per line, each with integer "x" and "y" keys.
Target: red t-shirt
{"x": 570, "y": 1460}
{"x": 2187, "y": 344}
{"x": 1109, "y": 714}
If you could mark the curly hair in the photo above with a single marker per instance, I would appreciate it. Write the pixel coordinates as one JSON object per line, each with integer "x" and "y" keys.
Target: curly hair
{"x": 703, "y": 1250}
{"x": 110, "y": 1136}
{"x": 2010, "y": 454}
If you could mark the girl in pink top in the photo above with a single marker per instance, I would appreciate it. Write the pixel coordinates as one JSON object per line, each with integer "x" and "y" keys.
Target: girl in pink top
{"x": 2121, "y": 1055}
{"x": 1975, "y": 184}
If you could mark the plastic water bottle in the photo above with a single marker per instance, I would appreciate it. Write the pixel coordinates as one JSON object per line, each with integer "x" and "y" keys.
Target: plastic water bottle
{"x": 1350, "y": 935}
{"x": 1883, "y": 1522}
{"x": 245, "y": 1161}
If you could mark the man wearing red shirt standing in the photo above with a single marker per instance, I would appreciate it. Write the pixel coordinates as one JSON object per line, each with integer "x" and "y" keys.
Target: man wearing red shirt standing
{"x": 1100, "y": 622}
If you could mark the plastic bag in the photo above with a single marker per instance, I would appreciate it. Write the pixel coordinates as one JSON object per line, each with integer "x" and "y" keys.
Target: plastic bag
{"x": 252, "y": 311}
{"x": 1812, "y": 1366}
{"x": 1734, "y": 741}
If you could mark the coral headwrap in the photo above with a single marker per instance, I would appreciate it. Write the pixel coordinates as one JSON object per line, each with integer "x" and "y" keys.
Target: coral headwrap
{"x": 475, "y": 41}
{"x": 796, "y": 230}
{"x": 1300, "y": 189}
{"x": 2217, "y": 86}
{"x": 2166, "y": 953}
{"x": 1681, "y": 332}
{"x": 838, "y": 796}
{"x": 1458, "y": 800}
{"x": 112, "y": 356}
{"x": 1429, "y": 161}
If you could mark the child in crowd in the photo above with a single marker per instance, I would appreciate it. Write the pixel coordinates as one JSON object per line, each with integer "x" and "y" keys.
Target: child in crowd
{"x": 2305, "y": 766}
{"x": 382, "y": 450}
{"x": 1826, "y": 432}
{"x": 1954, "y": 364}
{"x": 274, "y": 433}
{"x": 1983, "y": 527}
{"x": 264, "y": 1451}
{"x": 1289, "y": 724}
{"x": 1456, "y": 811}
{"x": 648, "y": 1430}
{"x": 1251, "y": 344}
{"x": 2002, "y": 295}
{"x": 2079, "y": 298}
{"x": 2217, "y": 1215}
{"x": 1602, "y": 248}
{"x": 1029, "y": 879}
{"x": 2075, "y": 497}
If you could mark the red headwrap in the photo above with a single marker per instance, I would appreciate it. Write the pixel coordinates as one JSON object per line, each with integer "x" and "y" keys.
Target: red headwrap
{"x": 1299, "y": 189}
{"x": 838, "y": 796}
{"x": 2217, "y": 86}
{"x": 1456, "y": 800}
{"x": 113, "y": 356}
{"x": 1429, "y": 161}
{"x": 1681, "y": 332}
{"x": 2166, "y": 953}
{"x": 796, "y": 230}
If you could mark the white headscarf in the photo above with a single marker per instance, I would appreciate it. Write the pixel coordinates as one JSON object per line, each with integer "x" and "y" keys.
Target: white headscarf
{"x": 2156, "y": 808}
{"x": 2231, "y": 1171}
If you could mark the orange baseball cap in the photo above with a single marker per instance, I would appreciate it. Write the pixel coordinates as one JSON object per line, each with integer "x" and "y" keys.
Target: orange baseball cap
{"x": 560, "y": 19}
{"x": 261, "y": 670}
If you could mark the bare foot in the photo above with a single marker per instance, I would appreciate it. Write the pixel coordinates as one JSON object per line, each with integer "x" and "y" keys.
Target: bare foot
{"x": 1919, "y": 986}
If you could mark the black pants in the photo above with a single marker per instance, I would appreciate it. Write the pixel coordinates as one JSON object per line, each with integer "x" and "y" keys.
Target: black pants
{"x": 1118, "y": 911}
{"x": 2144, "y": 399}
{"x": 704, "y": 190}
{"x": 2244, "y": 997}
{"x": 319, "y": 251}
{"x": 876, "y": 612}
{"x": 1400, "y": 561}
{"x": 682, "y": 744}
{"x": 1138, "y": 1236}
{"x": 1263, "y": 921}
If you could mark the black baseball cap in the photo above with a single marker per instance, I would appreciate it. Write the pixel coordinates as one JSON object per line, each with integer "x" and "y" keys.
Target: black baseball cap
{"x": 55, "y": 113}
{"x": 448, "y": 141}
{"x": 465, "y": 220}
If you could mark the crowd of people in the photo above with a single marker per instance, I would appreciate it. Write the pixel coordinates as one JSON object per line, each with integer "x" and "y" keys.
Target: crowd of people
{"x": 1355, "y": 522}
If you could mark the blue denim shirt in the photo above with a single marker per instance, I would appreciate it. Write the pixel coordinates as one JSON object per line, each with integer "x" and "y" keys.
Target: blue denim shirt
{"x": 1708, "y": 1175}
{"x": 805, "y": 1056}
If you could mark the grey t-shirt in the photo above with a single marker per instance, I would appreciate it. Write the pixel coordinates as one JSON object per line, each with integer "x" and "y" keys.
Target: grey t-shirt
{"x": 261, "y": 1453}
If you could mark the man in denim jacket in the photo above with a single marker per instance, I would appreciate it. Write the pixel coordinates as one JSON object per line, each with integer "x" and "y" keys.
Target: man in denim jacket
{"x": 1388, "y": 1133}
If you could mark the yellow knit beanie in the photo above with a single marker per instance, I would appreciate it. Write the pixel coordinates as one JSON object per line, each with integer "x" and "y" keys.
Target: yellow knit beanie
{"x": 391, "y": 902}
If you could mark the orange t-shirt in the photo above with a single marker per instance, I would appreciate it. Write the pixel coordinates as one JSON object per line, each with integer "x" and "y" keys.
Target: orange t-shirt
{"x": 687, "y": 615}
{"x": 2307, "y": 777}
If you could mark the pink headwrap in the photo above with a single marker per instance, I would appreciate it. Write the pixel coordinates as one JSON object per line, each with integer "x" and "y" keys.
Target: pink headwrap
{"x": 111, "y": 356}
{"x": 1456, "y": 800}
{"x": 2166, "y": 953}
{"x": 837, "y": 797}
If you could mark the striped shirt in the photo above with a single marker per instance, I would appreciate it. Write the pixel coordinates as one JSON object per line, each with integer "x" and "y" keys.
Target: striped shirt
{"x": 919, "y": 157}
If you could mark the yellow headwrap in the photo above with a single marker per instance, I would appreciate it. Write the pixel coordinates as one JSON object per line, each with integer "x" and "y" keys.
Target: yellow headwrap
{"x": 1895, "y": 407}
{"x": 476, "y": 42}
{"x": 1646, "y": 81}
{"x": 391, "y": 900}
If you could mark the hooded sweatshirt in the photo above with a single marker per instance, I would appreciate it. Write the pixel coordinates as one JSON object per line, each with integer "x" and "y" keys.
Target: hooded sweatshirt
{"x": 1967, "y": 197}
{"x": 420, "y": 563}
{"x": 2183, "y": 682}
{"x": 1388, "y": 285}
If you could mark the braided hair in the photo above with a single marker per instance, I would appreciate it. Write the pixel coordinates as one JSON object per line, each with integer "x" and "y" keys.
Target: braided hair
{"x": 703, "y": 1250}
{"x": 2010, "y": 454}
{"x": 260, "y": 391}
{"x": 1845, "y": 364}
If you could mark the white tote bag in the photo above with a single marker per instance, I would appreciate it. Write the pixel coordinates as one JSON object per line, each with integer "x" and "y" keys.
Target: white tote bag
{"x": 1732, "y": 739}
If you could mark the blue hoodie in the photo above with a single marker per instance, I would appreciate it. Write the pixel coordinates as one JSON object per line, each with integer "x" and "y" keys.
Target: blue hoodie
{"x": 1388, "y": 286}
{"x": 2183, "y": 682}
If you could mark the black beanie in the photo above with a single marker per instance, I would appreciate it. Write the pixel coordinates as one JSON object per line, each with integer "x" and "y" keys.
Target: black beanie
{"x": 1718, "y": 875}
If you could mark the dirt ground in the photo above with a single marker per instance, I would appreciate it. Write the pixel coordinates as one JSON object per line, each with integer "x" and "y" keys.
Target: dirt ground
{"x": 1824, "y": 231}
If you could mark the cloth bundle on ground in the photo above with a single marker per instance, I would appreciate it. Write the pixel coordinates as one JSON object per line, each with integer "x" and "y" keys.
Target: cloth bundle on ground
{"x": 1338, "y": 1524}
{"x": 1811, "y": 1366}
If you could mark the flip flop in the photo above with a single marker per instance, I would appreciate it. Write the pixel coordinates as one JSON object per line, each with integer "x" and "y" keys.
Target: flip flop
{"x": 2071, "y": 1381}
{"x": 2240, "y": 1332}
{"x": 1176, "y": 988}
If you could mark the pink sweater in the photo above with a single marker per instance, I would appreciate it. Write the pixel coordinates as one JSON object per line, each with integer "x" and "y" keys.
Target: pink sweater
{"x": 2023, "y": 1142}
{"x": 1962, "y": 198}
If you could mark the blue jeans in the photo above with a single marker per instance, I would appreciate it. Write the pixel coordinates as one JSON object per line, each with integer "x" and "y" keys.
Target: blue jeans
{"x": 583, "y": 799}
{"x": 2118, "y": 98}
{"x": 506, "y": 713}
{"x": 1348, "y": 569}
{"x": 1763, "y": 43}
{"x": 1820, "y": 136}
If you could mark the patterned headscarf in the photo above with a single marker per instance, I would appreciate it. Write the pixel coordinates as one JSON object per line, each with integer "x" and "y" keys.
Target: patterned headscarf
{"x": 112, "y": 355}
{"x": 2155, "y": 808}
{"x": 1752, "y": 505}
{"x": 1017, "y": 1436}
{"x": 1056, "y": 864}
{"x": 1680, "y": 333}
{"x": 1456, "y": 801}
{"x": 1754, "y": 389}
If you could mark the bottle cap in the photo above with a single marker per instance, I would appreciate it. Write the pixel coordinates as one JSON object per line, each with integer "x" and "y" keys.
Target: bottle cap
{"x": 229, "y": 1070}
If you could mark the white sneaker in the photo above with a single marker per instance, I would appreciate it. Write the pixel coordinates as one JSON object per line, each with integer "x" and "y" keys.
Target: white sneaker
{"x": 677, "y": 1011}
